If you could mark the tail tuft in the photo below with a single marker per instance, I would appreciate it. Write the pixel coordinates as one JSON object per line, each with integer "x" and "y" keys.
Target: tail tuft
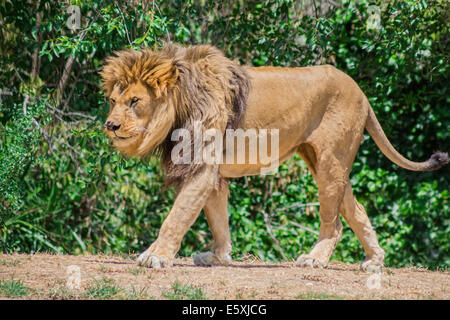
{"x": 437, "y": 160}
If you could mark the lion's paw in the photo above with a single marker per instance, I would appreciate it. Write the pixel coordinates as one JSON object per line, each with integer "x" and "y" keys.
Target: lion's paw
{"x": 210, "y": 259}
{"x": 307, "y": 261}
{"x": 150, "y": 260}
{"x": 371, "y": 266}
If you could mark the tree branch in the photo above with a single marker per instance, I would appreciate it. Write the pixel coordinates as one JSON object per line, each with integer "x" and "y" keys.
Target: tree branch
{"x": 36, "y": 59}
{"x": 69, "y": 63}
{"x": 303, "y": 227}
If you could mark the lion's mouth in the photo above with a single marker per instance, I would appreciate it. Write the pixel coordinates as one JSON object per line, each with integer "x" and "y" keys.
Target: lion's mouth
{"x": 121, "y": 138}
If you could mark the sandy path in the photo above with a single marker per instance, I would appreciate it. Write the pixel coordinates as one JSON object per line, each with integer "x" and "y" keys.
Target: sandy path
{"x": 46, "y": 276}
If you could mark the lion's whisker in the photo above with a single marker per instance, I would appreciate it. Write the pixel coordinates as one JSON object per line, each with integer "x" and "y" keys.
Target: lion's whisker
{"x": 143, "y": 129}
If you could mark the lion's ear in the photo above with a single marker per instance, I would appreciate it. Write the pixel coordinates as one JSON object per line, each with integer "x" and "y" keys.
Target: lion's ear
{"x": 161, "y": 78}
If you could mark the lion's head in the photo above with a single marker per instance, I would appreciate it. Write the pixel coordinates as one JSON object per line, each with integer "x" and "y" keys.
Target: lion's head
{"x": 152, "y": 92}
{"x": 136, "y": 84}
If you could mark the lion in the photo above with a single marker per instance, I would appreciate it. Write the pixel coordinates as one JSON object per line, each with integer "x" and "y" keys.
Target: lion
{"x": 319, "y": 112}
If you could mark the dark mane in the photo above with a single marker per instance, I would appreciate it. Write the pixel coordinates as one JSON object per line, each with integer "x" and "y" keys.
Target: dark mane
{"x": 212, "y": 89}
{"x": 198, "y": 81}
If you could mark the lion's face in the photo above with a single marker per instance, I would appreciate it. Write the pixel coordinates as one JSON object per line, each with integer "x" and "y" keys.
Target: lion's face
{"x": 134, "y": 123}
{"x": 152, "y": 91}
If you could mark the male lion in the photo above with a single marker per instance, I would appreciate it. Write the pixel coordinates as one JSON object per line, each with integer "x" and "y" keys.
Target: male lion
{"x": 320, "y": 113}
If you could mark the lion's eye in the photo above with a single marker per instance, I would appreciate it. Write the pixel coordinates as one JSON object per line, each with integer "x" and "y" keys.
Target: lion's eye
{"x": 112, "y": 101}
{"x": 133, "y": 101}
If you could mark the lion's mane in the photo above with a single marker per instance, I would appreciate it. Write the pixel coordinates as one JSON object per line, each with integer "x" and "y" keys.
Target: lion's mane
{"x": 198, "y": 82}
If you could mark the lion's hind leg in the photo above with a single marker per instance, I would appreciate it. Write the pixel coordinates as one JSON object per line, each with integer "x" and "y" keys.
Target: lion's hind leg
{"x": 357, "y": 218}
{"x": 331, "y": 179}
{"x": 216, "y": 211}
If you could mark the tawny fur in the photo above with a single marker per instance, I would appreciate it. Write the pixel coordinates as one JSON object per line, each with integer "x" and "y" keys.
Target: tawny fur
{"x": 320, "y": 113}
{"x": 197, "y": 83}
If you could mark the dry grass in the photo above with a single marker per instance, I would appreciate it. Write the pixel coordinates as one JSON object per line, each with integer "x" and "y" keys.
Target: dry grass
{"x": 114, "y": 277}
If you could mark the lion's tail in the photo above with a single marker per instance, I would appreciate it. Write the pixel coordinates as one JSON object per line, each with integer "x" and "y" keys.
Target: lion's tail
{"x": 437, "y": 159}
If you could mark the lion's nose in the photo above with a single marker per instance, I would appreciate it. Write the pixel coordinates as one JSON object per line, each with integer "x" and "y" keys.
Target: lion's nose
{"x": 112, "y": 126}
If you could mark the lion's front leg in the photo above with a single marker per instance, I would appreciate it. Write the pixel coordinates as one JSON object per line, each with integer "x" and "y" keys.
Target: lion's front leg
{"x": 187, "y": 206}
{"x": 216, "y": 211}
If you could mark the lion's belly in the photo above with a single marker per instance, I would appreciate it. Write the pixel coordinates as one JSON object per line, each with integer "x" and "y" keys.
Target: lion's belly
{"x": 241, "y": 170}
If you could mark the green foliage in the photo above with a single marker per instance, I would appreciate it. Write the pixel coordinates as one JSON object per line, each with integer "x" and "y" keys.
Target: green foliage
{"x": 318, "y": 296}
{"x": 184, "y": 292}
{"x": 63, "y": 189}
{"x": 265, "y": 213}
{"x": 18, "y": 150}
{"x": 13, "y": 289}
{"x": 103, "y": 289}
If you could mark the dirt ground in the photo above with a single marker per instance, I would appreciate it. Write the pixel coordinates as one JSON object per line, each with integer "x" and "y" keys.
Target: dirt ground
{"x": 45, "y": 276}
